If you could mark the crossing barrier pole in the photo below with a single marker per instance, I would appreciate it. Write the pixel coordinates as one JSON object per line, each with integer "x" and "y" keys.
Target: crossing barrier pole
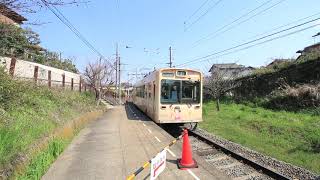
{"x": 147, "y": 163}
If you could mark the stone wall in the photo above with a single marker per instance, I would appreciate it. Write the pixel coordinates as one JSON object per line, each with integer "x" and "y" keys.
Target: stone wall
{"x": 262, "y": 85}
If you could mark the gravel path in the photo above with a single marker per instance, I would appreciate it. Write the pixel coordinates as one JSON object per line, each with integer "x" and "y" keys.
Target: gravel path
{"x": 226, "y": 164}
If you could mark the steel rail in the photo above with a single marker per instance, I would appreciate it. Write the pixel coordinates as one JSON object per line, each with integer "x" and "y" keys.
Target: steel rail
{"x": 259, "y": 167}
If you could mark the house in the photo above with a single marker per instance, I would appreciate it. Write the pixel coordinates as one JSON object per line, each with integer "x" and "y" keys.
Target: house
{"x": 230, "y": 70}
{"x": 9, "y": 16}
{"x": 310, "y": 50}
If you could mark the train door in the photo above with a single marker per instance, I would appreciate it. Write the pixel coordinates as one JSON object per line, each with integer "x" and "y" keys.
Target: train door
{"x": 149, "y": 100}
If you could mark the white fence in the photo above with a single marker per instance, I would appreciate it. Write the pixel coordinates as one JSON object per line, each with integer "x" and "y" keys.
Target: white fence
{"x": 41, "y": 74}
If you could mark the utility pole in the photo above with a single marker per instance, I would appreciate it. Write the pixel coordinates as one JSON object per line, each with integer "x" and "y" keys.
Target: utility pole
{"x": 315, "y": 36}
{"x": 119, "y": 90}
{"x": 116, "y": 83}
{"x": 99, "y": 81}
{"x": 117, "y": 56}
{"x": 170, "y": 55}
{"x": 60, "y": 56}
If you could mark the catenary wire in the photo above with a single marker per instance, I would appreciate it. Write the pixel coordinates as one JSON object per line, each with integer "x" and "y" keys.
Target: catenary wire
{"x": 241, "y": 22}
{"x": 234, "y": 21}
{"x": 251, "y": 46}
{"x": 66, "y": 22}
{"x": 205, "y": 13}
{"x": 251, "y": 41}
{"x": 196, "y": 11}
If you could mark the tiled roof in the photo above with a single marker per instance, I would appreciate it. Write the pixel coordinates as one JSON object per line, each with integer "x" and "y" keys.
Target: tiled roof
{"x": 11, "y": 14}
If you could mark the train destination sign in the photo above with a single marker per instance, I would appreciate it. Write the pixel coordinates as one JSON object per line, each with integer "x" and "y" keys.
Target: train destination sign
{"x": 158, "y": 164}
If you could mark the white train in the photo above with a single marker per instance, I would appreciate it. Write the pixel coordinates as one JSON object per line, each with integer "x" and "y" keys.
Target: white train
{"x": 171, "y": 95}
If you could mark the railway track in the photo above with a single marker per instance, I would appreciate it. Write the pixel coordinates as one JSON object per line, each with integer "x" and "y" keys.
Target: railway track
{"x": 237, "y": 162}
{"x": 240, "y": 163}
{"x": 231, "y": 163}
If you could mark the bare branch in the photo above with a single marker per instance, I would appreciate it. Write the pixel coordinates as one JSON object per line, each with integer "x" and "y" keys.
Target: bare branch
{"x": 219, "y": 83}
{"x": 98, "y": 75}
{"x": 33, "y": 6}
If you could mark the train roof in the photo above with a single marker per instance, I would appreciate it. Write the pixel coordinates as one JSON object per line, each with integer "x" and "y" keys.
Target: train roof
{"x": 188, "y": 69}
{"x": 153, "y": 73}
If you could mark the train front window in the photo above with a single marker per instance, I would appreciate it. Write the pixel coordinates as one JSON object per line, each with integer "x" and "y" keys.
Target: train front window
{"x": 170, "y": 91}
{"x": 177, "y": 91}
{"x": 190, "y": 92}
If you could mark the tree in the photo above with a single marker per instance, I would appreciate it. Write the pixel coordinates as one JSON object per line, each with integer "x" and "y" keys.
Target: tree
{"x": 97, "y": 75}
{"x": 32, "y": 37}
{"x": 33, "y": 6}
{"x": 219, "y": 83}
{"x": 12, "y": 40}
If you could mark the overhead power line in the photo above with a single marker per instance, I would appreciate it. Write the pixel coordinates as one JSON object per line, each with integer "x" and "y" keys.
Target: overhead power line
{"x": 202, "y": 15}
{"x": 232, "y": 24}
{"x": 66, "y": 22}
{"x": 263, "y": 42}
{"x": 249, "y": 42}
{"x": 196, "y": 11}
{"x": 288, "y": 24}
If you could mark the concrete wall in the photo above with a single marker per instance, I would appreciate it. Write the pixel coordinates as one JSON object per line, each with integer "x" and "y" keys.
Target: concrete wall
{"x": 26, "y": 70}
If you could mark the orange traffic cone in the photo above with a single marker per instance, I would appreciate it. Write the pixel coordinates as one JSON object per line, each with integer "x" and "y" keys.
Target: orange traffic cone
{"x": 186, "y": 161}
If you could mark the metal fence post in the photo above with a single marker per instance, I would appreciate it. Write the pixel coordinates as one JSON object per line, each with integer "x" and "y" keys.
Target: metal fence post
{"x": 12, "y": 66}
{"x": 63, "y": 80}
{"x": 72, "y": 84}
{"x": 35, "y": 74}
{"x": 80, "y": 81}
{"x": 49, "y": 79}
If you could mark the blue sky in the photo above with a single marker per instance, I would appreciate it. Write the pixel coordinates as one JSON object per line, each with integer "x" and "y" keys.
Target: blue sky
{"x": 150, "y": 27}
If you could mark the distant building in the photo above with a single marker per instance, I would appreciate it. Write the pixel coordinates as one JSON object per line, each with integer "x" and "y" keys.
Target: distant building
{"x": 230, "y": 70}
{"x": 309, "y": 49}
{"x": 9, "y": 16}
{"x": 315, "y": 48}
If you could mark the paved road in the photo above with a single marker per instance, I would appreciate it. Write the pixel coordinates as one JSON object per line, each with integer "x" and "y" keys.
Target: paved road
{"x": 115, "y": 145}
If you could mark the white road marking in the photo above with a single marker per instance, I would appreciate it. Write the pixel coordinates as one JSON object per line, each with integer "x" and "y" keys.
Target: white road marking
{"x": 149, "y": 131}
{"x": 144, "y": 124}
{"x": 192, "y": 174}
{"x": 172, "y": 154}
{"x": 157, "y": 139}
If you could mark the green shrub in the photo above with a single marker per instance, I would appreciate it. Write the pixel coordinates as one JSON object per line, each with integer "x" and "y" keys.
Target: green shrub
{"x": 305, "y": 96}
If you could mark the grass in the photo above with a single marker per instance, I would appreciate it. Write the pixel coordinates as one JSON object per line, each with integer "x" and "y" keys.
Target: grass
{"x": 29, "y": 113}
{"x": 39, "y": 164}
{"x": 291, "y": 137}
